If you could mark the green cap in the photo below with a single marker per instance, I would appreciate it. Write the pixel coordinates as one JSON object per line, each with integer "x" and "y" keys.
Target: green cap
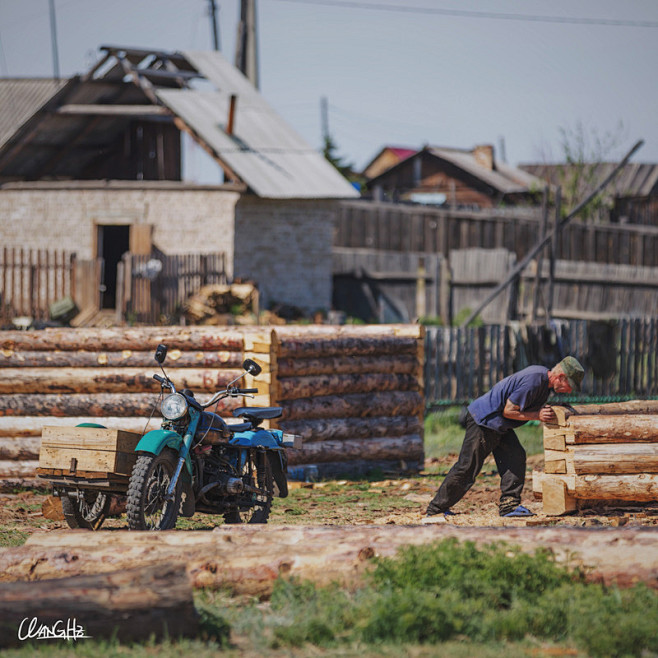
{"x": 573, "y": 371}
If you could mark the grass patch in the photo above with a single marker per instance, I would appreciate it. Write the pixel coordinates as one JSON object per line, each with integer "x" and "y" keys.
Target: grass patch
{"x": 429, "y": 595}
{"x": 12, "y": 537}
{"x": 444, "y": 435}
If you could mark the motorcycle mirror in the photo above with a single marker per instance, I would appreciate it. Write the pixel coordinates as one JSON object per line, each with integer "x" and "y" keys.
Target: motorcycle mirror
{"x": 161, "y": 353}
{"x": 251, "y": 367}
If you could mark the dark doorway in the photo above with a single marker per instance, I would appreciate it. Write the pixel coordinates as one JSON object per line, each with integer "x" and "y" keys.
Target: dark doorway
{"x": 113, "y": 242}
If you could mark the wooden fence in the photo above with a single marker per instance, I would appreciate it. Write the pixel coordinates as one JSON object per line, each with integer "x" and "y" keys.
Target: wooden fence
{"x": 32, "y": 279}
{"x": 398, "y": 227}
{"x": 620, "y": 357}
{"x": 154, "y": 288}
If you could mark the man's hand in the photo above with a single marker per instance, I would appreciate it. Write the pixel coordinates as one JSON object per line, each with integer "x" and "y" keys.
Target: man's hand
{"x": 547, "y": 415}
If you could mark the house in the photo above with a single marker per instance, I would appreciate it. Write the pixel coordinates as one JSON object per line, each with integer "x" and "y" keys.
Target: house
{"x": 631, "y": 198}
{"x": 388, "y": 157}
{"x": 93, "y": 164}
{"x": 456, "y": 177}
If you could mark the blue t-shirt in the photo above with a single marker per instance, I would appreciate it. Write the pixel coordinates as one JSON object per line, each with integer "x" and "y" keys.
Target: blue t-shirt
{"x": 528, "y": 389}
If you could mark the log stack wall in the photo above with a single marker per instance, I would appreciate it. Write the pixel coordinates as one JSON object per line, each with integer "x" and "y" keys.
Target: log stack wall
{"x": 354, "y": 394}
{"x": 63, "y": 377}
{"x": 601, "y": 456}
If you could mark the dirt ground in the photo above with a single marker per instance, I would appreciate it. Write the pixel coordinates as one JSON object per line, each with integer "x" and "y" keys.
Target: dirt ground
{"x": 391, "y": 500}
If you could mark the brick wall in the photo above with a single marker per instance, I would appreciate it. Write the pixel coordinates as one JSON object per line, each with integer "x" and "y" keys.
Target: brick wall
{"x": 194, "y": 219}
{"x": 285, "y": 246}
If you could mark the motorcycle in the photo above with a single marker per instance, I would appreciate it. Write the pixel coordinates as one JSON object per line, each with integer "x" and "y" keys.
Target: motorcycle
{"x": 196, "y": 462}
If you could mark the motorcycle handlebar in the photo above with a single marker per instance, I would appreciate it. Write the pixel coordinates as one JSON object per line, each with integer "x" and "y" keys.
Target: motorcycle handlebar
{"x": 157, "y": 377}
{"x": 247, "y": 390}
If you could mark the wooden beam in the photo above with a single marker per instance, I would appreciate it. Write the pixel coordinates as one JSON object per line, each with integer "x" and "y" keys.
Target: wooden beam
{"x": 114, "y": 110}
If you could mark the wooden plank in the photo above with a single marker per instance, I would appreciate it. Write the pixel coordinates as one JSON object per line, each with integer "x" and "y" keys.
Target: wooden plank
{"x": 75, "y": 461}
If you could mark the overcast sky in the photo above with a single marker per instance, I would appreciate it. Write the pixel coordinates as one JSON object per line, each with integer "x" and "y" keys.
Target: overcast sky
{"x": 512, "y": 73}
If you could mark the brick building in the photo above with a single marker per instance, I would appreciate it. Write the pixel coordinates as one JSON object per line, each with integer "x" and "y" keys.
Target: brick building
{"x": 93, "y": 165}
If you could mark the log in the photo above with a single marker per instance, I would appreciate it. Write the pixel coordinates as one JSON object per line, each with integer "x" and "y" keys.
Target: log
{"x": 125, "y": 358}
{"x": 614, "y": 408}
{"x": 406, "y": 448}
{"x": 248, "y": 559}
{"x": 109, "y": 380}
{"x": 117, "y": 339}
{"x": 96, "y": 405}
{"x": 133, "y": 603}
{"x": 403, "y": 364}
{"x": 20, "y": 448}
{"x": 357, "y": 405}
{"x": 321, "y": 429}
{"x": 292, "y": 388}
{"x": 18, "y": 469}
{"x": 612, "y": 429}
{"x": 306, "y": 346}
{"x": 640, "y": 488}
{"x": 616, "y": 458}
{"x": 16, "y": 427}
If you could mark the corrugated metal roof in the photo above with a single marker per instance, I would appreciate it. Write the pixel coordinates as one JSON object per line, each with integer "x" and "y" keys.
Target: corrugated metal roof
{"x": 505, "y": 179}
{"x": 20, "y": 98}
{"x": 264, "y": 151}
{"x": 635, "y": 179}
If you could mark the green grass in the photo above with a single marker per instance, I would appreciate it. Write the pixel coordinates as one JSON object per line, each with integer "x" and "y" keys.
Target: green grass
{"x": 448, "y": 599}
{"x": 444, "y": 435}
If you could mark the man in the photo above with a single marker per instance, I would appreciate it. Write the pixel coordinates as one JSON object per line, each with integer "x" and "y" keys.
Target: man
{"x": 490, "y": 424}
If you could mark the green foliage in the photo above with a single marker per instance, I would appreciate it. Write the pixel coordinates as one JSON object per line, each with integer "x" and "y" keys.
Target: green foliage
{"x": 464, "y": 313}
{"x": 432, "y": 594}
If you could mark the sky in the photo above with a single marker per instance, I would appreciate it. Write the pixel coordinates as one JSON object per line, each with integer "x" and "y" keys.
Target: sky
{"x": 518, "y": 74}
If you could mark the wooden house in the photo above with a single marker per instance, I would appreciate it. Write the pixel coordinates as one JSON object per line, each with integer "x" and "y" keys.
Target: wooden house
{"x": 458, "y": 178}
{"x": 93, "y": 165}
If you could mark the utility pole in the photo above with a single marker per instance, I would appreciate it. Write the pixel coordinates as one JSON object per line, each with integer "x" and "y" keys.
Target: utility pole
{"x": 324, "y": 118}
{"x": 53, "y": 39}
{"x": 246, "y": 46}
{"x": 213, "y": 23}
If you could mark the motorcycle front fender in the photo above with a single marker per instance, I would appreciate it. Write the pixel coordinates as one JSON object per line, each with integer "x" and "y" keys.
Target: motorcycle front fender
{"x": 156, "y": 441}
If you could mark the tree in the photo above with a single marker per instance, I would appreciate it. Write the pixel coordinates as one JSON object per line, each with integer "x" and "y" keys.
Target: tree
{"x": 329, "y": 151}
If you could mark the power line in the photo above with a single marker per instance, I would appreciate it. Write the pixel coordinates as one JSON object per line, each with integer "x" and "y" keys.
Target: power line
{"x": 572, "y": 20}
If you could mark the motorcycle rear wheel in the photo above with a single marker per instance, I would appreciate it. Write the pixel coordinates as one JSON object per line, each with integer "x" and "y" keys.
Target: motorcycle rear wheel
{"x": 146, "y": 507}
{"x": 252, "y": 507}
{"x": 88, "y": 511}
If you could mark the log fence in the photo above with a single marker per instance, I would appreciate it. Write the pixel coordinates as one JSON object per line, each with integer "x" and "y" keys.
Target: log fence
{"x": 32, "y": 279}
{"x": 355, "y": 394}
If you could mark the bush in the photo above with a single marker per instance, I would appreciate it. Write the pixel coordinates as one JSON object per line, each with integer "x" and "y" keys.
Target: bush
{"x": 432, "y": 594}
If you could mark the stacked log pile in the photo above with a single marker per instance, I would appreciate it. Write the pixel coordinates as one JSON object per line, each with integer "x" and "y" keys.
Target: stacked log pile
{"x": 354, "y": 395}
{"x": 63, "y": 377}
{"x": 601, "y": 455}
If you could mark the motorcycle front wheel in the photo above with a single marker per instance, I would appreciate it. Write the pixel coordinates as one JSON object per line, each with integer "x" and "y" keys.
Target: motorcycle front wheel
{"x": 86, "y": 511}
{"x": 254, "y": 507}
{"x": 146, "y": 507}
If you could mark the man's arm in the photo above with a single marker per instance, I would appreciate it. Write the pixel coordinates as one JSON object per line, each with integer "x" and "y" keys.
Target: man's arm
{"x": 513, "y": 412}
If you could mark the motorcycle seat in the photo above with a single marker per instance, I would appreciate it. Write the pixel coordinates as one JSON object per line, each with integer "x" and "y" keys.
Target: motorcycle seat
{"x": 262, "y": 413}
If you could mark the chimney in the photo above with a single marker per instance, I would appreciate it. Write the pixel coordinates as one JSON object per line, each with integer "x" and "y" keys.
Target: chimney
{"x": 230, "y": 123}
{"x": 484, "y": 156}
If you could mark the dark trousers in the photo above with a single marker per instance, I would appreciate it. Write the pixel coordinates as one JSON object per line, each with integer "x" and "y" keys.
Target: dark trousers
{"x": 479, "y": 443}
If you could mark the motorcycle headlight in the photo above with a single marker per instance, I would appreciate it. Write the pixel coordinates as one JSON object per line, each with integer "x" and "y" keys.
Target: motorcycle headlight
{"x": 174, "y": 406}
